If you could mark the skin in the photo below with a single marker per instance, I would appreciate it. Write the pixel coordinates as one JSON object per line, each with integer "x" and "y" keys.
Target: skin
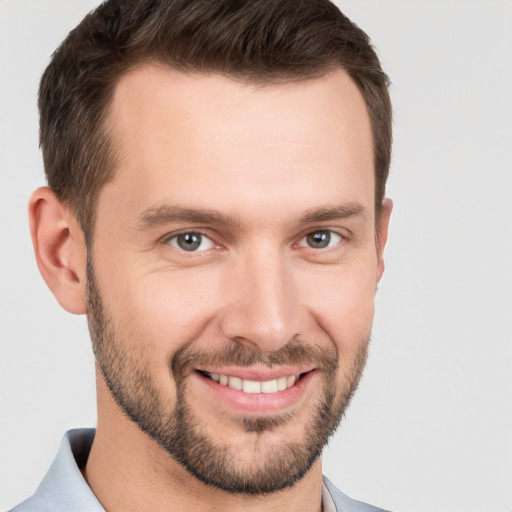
{"x": 268, "y": 159}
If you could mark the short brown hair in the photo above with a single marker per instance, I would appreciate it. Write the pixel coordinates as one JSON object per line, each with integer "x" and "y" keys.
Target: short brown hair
{"x": 258, "y": 41}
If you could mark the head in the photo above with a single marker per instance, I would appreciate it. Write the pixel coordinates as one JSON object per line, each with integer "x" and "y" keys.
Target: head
{"x": 218, "y": 171}
{"x": 258, "y": 42}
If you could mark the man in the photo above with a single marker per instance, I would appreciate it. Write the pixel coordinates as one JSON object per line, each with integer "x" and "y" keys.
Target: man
{"x": 216, "y": 207}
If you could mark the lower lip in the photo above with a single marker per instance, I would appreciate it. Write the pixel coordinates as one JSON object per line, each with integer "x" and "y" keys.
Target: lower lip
{"x": 258, "y": 403}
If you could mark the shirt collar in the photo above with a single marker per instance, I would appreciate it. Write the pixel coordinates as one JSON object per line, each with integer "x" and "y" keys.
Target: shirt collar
{"x": 64, "y": 488}
{"x": 327, "y": 501}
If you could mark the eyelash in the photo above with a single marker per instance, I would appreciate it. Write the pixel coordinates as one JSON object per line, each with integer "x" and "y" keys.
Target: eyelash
{"x": 330, "y": 234}
{"x": 174, "y": 237}
{"x": 302, "y": 241}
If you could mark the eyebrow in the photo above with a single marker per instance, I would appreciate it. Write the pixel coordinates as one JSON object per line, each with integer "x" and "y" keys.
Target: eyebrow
{"x": 169, "y": 214}
{"x": 328, "y": 213}
{"x": 160, "y": 216}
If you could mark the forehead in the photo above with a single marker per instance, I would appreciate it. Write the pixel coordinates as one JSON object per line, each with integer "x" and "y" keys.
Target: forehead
{"x": 189, "y": 136}
{"x": 155, "y": 94}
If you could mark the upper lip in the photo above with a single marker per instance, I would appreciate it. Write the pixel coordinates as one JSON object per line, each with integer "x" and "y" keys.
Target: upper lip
{"x": 258, "y": 373}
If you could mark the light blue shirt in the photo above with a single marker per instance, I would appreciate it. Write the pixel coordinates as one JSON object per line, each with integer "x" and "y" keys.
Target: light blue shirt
{"x": 64, "y": 489}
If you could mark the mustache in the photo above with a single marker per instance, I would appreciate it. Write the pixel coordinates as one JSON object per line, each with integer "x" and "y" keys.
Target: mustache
{"x": 295, "y": 352}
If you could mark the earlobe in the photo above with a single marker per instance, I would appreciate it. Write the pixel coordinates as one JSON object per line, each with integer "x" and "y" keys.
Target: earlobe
{"x": 382, "y": 234}
{"x": 60, "y": 249}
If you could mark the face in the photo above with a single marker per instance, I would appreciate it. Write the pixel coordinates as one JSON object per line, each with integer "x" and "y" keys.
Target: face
{"x": 234, "y": 267}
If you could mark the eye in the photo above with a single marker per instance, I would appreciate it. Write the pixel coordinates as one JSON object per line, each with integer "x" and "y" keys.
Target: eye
{"x": 321, "y": 239}
{"x": 190, "y": 242}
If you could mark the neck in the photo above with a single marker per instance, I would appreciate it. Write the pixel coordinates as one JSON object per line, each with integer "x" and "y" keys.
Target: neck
{"x": 128, "y": 471}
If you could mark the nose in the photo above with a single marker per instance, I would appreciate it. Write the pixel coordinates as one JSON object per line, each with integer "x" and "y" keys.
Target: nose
{"x": 263, "y": 310}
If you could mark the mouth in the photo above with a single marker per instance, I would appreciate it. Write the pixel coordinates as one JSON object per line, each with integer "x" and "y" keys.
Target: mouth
{"x": 256, "y": 391}
{"x": 254, "y": 386}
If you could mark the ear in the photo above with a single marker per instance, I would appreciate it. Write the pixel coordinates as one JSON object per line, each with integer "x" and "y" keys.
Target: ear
{"x": 382, "y": 234}
{"x": 60, "y": 249}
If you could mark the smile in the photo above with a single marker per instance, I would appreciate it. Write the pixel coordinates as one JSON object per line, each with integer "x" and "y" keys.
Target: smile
{"x": 254, "y": 386}
{"x": 256, "y": 391}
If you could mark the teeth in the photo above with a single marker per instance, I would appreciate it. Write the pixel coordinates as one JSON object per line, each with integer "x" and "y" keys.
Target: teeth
{"x": 290, "y": 381}
{"x": 236, "y": 383}
{"x": 281, "y": 383}
{"x": 270, "y": 386}
{"x": 253, "y": 386}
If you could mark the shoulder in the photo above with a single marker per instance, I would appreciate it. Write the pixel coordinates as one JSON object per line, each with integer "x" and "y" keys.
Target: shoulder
{"x": 63, "y": 488}
{"x": 344, "y": 503}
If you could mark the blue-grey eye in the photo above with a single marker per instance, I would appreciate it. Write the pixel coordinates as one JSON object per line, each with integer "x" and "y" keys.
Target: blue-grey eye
{"x": 191, "y": 242}
{"x": 320, "y": 239}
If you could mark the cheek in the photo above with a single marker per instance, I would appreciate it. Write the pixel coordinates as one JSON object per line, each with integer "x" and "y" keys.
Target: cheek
{"x": 344, "y": 305}
{"x": 165, "y": 310}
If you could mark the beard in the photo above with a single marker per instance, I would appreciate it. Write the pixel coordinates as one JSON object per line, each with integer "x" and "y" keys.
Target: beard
{"x": 176, "y": 425}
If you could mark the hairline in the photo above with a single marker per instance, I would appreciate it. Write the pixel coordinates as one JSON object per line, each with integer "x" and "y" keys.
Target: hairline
{"x": 112, "y": 153}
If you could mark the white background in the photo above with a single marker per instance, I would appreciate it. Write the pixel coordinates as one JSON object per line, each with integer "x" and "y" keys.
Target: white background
{"x": 430, "y": 428}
